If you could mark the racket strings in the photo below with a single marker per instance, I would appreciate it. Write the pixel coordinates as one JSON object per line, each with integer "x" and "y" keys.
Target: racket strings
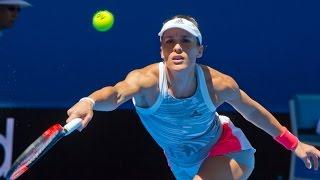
{"x": 35, "y": 151}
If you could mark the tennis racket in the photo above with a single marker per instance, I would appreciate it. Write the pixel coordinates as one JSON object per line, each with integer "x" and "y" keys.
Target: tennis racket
{"x": 40, "y": 146}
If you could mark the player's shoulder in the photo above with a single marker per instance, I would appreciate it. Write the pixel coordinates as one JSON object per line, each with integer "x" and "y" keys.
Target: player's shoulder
{"x": 152, "y": 69}
{"x": 145, "y": 76}
{"x": 218, "y": 80}
{"x": 149, "y": 71}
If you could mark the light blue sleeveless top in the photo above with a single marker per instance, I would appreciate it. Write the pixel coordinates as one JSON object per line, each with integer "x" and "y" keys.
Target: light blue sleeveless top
{"x": 184, "y": 128}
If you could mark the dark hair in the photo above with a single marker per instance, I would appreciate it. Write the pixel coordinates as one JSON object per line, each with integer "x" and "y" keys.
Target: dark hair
{"x": 187, "y": 17}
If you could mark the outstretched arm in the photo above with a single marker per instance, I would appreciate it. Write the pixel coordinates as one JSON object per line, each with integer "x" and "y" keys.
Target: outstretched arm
{"x": 252, "y": 111}
{"x": 110, "y": 97}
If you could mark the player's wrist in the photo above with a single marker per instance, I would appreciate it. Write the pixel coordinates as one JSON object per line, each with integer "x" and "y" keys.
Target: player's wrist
{"x": 287, "y": 139}
{"x": 88, "y": 99}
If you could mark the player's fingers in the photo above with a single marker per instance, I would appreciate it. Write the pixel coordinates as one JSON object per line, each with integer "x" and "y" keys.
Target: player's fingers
{"x": 307, "y": 162}
{"x": 71, "y": 117}
{"x": 85, "y": 121}
{"x": 69, "y": 112}
{"x": 317, "y": 152}
{"x": 315, "y": 160}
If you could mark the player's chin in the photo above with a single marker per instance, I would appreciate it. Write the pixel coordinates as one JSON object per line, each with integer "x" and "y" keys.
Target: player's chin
{"x": 178, "y": 67}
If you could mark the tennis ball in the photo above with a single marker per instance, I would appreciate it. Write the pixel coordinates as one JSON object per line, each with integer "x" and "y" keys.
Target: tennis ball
{"x": 103, "y": 20}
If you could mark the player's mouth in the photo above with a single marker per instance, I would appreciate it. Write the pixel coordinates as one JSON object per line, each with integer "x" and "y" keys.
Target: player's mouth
{"x": 177, "y": 59}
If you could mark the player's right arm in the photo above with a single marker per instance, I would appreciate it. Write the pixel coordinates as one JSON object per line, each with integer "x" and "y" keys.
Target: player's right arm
{"x": 111, "y": 97}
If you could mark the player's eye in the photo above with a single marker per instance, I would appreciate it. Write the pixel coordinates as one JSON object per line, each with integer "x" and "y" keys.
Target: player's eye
{"x": 186, "y": 40}
{"x": 168, "y": 41}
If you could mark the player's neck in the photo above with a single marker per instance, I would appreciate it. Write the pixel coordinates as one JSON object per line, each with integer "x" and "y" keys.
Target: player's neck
{"x": 182, "y": 84}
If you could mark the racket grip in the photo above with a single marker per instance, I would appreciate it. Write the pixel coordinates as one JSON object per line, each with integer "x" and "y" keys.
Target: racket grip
{"x": 72, "y": 125}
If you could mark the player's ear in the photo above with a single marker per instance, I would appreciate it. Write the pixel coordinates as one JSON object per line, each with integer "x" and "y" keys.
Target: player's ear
{"x": 161, "y": 53}
{"x": 200, "y": 51}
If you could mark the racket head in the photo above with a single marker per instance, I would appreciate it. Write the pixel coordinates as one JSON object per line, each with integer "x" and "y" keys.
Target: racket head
{"x": 35, "y": 150}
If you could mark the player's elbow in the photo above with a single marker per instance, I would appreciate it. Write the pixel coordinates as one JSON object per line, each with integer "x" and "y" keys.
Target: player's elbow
{"x": 107, "y": 99}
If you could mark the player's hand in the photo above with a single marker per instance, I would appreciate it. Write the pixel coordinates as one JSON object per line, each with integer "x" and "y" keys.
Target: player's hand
{"x": 83, "y": 110}
{"x": 308, "y": 154}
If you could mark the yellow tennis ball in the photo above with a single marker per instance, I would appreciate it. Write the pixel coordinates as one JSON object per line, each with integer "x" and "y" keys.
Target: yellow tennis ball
{"x": 103, "y": 20}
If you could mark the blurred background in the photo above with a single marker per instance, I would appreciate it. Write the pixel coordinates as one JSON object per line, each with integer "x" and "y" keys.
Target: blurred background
{"x": 53, "y": 57}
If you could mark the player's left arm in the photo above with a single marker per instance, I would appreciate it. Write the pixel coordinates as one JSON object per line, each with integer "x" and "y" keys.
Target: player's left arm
{"x": 249, "y": 108}
{"x": 262, "y": 118}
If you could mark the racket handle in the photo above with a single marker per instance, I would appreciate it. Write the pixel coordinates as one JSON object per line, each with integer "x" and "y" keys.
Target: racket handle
{"x": 72, "y": 125}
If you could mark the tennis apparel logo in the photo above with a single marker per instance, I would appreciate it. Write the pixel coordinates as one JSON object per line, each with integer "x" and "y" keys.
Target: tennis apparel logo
{"x": 179, "y": 21}
{"x": 195, "y": 113}
{"x": 7, "y": 142}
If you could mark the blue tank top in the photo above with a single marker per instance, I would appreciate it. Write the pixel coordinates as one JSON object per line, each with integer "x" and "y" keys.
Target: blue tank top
{"x": 184, "y": 128}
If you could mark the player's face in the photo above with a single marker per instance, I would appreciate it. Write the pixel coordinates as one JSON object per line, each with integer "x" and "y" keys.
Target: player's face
{"x": 8, "y": 14}
{"x": 179, "y": 49}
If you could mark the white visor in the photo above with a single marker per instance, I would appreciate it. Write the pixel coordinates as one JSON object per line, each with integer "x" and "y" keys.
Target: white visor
{"x": 20, "y": 3}
{"x": 182, "y": 24}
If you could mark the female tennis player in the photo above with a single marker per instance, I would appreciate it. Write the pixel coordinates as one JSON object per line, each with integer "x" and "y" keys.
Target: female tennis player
{"x": 177, "y": 100}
